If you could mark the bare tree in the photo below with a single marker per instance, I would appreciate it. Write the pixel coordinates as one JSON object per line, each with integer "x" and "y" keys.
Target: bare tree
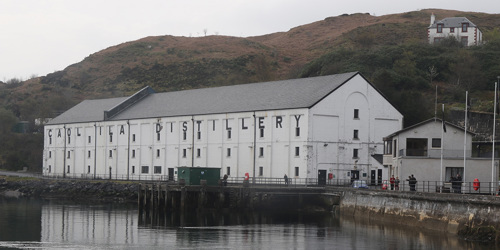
{"x": 432, "y": 73}
{"x": 205, "y": 30}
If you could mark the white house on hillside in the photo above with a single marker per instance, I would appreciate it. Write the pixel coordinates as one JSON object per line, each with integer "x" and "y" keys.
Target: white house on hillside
{"x": 305, "y": 128}
{"x": 461, "y": 28}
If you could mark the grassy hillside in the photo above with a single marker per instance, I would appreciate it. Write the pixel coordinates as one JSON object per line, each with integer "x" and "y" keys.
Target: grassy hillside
{"x": 391, "y": 51}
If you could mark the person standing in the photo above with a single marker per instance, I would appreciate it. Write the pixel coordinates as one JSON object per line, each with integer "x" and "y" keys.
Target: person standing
{"x": 396, "y": 183}
{"x": 286, "y": 179}
{"x": 392, "y": 180}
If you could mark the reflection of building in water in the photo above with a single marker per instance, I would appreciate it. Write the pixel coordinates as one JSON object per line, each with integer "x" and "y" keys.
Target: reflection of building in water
{"x": 19, "y": 220}
{"x": 84, "y": 223}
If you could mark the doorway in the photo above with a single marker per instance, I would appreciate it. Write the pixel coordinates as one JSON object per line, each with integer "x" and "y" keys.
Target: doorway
{"x": 321, "y": 177}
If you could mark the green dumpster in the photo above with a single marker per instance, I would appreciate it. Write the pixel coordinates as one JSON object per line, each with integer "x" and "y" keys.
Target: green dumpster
{"x": 194, "y": 175}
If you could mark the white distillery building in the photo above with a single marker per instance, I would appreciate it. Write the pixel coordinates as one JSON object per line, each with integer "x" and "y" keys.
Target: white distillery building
{"x": 304, "y": 128}
{"x": 461, "y": 28}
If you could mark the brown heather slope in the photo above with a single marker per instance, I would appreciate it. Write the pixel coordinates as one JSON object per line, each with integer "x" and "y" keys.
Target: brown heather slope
{"x": 173, "y": 63}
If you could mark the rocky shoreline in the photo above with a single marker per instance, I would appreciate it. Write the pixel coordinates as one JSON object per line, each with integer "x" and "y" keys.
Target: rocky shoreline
{"x": 91, "y": 190}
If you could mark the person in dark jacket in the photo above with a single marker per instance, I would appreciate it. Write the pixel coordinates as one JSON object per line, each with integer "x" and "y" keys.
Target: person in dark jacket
{"x": 412, "y": 181}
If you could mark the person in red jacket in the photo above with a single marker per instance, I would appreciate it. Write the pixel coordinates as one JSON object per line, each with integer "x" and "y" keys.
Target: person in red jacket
{"x": 392, "y": 180}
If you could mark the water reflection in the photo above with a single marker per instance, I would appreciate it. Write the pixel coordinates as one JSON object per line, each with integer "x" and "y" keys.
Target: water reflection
{"x": 28, "y": 224}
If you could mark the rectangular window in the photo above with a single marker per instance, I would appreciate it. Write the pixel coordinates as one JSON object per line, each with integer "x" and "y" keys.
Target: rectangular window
{"x": 145, "y": 170}
{"x": 158, "y": 136}
{"x": 199, "y": 135}
{"x": 355, "y": 134}
{"x": 110, "y": 153}
{"x": 184, "y": 135}
{"x": 184, "y": 153}
{"x": 50, "y": 140}
{"x": 198, "y": 152}
{"x": 157, "y": 153}
{"x": 296, "y": 171}
{"x": 394, "y": 146}
{"x": 436, "y": 142}
{"x": 229, "y": 134}
{"x": 88, "y": 169}
{"x": 464, "y": 40}
{"x": 356, "y": 113}
{"x": 439, "y": 28}
{"x": 261, "y": 152}
{"x": 157, "y": 170}
{"x": 89, "y": 154}
{"x": 261, "y": 171}
{"x": 50, "y": 168}
{"x": 297, "y": 131}
{"x": 464, "y": 27}
{"x": 228, "y": 152}
{"x": 261, "y": 133}
{"x": 452, "y": 30}
{"x": 50, "y": 154}
{"x": 416, "y": 147}
{"x": 133, "y": 153}
{"x": 387, "y": 147}
{"x": 133, "y": 169}
{"x": 69, "y": 154}
{"x": 355, "y": 153}
{"x": 228, "y": 170}
{"x": 90, "y": 139}
{"x": 110, "y": 137}
{"x": 69, "y": 140}
{"x": 68, "y": 169}
{"x": 297, "y": 151}
{"x": 133, "y": 137}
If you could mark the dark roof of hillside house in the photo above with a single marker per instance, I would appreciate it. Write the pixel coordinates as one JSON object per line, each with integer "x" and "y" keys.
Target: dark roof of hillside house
{"x": 453, "y": 22}
{"x": 276, "y": 95}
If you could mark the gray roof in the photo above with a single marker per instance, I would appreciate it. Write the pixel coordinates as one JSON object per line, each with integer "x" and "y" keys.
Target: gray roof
{"x": 276, "y": 95}
{"x": 453, "y": 22}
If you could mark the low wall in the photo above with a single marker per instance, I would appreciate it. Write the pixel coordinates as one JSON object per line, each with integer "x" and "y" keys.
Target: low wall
{"x": 474, "y": 217}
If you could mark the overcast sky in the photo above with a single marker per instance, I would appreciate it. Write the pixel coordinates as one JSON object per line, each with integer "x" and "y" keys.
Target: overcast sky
{"x": 38, "y": 37}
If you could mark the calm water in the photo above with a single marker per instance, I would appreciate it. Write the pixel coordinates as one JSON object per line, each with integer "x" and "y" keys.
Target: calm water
{"x": 33, "y": 224}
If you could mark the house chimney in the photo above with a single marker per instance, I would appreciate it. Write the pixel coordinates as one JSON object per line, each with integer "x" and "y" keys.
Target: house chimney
{"x": 433, "y": 19}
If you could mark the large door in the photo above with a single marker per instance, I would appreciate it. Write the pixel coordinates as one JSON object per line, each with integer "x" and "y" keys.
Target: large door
{"x": 170, "y": 174}
{"x": 354, "y": 175}
{"x": 379, "y": 176}
{"x": 373, "y": 177}
{"x": 321, "y": 177}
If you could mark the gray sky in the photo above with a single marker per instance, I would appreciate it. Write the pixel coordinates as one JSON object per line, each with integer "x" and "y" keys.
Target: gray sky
{"x": 38, "y": 37}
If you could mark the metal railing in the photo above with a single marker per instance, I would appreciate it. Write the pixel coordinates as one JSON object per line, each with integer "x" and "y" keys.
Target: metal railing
{"x": 491, "y": 188}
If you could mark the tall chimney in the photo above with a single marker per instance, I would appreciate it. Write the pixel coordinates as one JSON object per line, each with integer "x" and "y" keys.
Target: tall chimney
{"x": 433, "y": 19}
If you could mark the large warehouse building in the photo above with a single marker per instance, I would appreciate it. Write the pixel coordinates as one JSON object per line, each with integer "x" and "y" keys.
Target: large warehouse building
{"x": 304, "y": 128}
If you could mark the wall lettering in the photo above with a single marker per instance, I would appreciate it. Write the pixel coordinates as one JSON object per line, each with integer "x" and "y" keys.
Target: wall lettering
{"x": 279, "y": 119}
{"x": 213, "y": 125}
{"x": 110, "y": 130}
{"x": 227, "y": 125}
{"x": 243, "y": 124}
{"x": 297, "y": 118}
{"x": 69, "y": 132}
{"x": 261, "y": 122}
{"x": 198, "y": 122}
{"x": 184, "y": 126}
{"x": 159, "y": 127}
{"x": 78, "y": 132}
{"x": 50, "y": 132}
{"x": 171, "y": 127}
{"x": 59, "y": 133}
{"x": 122, "y": 130}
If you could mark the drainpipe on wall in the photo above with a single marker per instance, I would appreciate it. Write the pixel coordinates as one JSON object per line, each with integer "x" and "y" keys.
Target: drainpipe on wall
{"x": 95, "y": 148}
{"x": 254, "y": 145}
{"x": 128, "y": 150}
{"x": 65, "y": 153}
{"x": 192, "y": 143}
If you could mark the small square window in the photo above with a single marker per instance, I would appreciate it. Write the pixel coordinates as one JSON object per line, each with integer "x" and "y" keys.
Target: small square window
{"x": 436, "y": 142}
{"x": 452, "y": 30}
{"x": 355, "y": 134}
{"x": 157, "y": 170}
{"x": 145, "y": 169}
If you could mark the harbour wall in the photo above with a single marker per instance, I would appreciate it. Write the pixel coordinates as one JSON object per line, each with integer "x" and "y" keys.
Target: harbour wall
{"x": 473, "y": 217}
